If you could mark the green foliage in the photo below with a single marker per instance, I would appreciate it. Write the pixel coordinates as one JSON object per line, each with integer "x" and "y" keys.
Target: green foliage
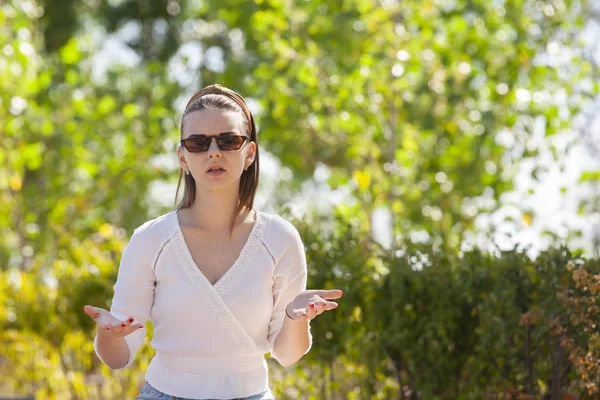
{"x": 401, "y": 100}
{"x": 441, "y": 326}
{"x": 455, "y": 326}
{"x": 404, "y": 101}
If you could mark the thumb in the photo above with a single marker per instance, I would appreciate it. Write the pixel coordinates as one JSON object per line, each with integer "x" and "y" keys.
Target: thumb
{"x": 99, "y": 315}
{"x": 92, "y": 311}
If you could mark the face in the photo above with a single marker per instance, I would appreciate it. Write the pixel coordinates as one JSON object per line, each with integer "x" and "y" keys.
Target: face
{"x": 215, "y": 123}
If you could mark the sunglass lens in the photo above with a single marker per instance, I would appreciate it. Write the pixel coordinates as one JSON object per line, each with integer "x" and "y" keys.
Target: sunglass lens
{"x": 230, "y": 142}
{"x": 198, "y": 144}
{"x": 201, "y": 144}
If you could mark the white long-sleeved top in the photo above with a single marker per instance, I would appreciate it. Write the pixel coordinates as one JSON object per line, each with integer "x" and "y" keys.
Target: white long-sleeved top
{"x": 210, "y": 340}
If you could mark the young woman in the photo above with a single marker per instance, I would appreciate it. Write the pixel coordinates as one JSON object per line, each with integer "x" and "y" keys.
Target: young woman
{"x": 222, "y": 282}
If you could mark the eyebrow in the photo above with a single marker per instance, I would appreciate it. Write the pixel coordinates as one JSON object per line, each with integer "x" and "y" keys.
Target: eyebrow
{"x": 220, "y": 134}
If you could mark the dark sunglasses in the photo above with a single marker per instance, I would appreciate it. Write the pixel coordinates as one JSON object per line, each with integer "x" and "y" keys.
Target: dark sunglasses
{"x": 200, "y": 143}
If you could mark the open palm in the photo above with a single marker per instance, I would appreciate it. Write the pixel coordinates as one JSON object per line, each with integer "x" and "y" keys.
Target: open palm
{"x": 109, "y": 323}
{"x": 310, "y": 303}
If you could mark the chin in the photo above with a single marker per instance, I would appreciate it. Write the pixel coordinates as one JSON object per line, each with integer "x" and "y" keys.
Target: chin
{"x": 219, "y": 184}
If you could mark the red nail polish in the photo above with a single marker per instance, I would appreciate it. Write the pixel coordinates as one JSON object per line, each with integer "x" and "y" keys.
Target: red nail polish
{"x": 123, "y": 325}
{"x": 342, "y": 292}
{"x": 130, "y": 319}
{"x": 312, "y": 306}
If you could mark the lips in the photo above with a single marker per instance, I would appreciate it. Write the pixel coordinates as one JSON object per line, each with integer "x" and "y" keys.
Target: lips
{"x": 216, "y": 172}
{"x": 215, "y": 168}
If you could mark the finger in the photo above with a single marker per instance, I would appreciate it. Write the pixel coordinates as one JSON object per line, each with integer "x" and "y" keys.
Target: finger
{"x": 312, "y": 311}
{"x": 130, "y": 329}
{"x": 330, "y": 294}
{"x": 123, "y": 326}
{"x": 324, "y": 306}
{"x": 91, "y": 311}
{"x": 320, "y": 307}
{"x": 298, "y": 313}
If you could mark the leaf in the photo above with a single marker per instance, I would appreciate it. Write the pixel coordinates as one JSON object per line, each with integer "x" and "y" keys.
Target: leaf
{"x": 70, "y": 53}
{"x": 362, "y": 179}
{"x": 106, "y": 105}
{"x": 589, "y": 176}
{"x": 15, "y": 183}
{"x": 131, "y": 110}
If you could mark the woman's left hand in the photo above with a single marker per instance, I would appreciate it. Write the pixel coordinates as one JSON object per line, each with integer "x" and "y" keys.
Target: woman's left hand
{"x": 310, "y": 303}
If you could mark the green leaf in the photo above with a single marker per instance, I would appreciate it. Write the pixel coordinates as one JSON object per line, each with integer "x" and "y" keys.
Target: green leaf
{"x": 70, "y": 53}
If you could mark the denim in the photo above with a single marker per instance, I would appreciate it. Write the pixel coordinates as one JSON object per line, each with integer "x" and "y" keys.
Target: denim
{"x": 148, "y": 392}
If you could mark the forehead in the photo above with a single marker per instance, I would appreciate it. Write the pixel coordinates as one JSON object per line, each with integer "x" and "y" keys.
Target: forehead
{"x": 212, "y": 122}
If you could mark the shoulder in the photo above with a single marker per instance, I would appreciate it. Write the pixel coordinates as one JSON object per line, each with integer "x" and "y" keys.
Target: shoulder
{"x": 153, "y": 231}
{"x": 280, "y": 227}
{"x": 283, "y": 241}
{"x": 281, "y": 234}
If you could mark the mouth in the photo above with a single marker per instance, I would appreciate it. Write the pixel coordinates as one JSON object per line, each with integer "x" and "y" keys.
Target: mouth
{"x": 215, "y": 171}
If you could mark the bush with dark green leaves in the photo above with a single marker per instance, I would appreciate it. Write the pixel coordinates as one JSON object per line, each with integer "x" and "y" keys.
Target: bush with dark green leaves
{"x": 416, "y": 323}
{"x": 413, "y": 323}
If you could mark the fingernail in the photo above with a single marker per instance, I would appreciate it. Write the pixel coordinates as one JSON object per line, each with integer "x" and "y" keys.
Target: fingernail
{"x": 130, "y": 320}
{"x": 123, "y": 325}
{"x": 342, "y": 292}
{"x": 312, "y": 306}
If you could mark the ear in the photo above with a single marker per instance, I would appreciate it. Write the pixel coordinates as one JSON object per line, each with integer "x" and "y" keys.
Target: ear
{"x": 251, "y": 153}
{"x": 181, "y": 159}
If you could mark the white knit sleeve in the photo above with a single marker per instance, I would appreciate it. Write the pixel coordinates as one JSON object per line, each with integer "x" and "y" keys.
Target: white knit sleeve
{"x": 134, "y": 290}
{"x": 289, "y": 281}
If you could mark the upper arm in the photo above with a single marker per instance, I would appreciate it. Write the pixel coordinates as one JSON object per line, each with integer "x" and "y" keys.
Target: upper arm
{"x": 289, "y": 281}
{"x": 134, "y": 288}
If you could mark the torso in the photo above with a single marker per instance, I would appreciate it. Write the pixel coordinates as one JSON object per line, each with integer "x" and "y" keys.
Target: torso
{"x": 214, "y": 256}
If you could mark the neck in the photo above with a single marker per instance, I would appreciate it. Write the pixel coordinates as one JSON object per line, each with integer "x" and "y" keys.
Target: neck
{"x": 212, "y": 212}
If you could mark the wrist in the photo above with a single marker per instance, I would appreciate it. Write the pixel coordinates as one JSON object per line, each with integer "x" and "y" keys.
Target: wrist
{"x": 288, "y": 314}
{"x": 297, "y": 320}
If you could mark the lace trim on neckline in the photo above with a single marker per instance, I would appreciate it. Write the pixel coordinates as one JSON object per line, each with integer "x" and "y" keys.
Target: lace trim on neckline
{"x": 215, "y": 292}
{"x": 239, "y": 267}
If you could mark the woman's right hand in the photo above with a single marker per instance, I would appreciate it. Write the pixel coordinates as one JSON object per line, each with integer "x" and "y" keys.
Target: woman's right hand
{"x": 108, "y": 324}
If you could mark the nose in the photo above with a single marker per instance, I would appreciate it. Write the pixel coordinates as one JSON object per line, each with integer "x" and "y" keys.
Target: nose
{"x": 213, "y": 149}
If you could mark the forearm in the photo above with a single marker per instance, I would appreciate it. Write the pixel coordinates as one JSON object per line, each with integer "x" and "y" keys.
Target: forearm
{"x": 112, "y": 350}
{"x": 293, "y": 341}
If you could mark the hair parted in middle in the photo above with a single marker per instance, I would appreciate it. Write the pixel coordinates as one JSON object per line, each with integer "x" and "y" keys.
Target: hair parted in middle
{"x": 221, "y": 98}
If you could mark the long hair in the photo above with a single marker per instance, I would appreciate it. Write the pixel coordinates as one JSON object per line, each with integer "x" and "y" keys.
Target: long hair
{"x": 222, "y": 98}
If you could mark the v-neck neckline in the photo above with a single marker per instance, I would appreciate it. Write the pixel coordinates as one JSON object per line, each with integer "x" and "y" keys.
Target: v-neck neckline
{"x": 241, "y": 263}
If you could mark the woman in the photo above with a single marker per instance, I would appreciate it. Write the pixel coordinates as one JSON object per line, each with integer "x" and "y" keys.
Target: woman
{"x": 222, "y": 282}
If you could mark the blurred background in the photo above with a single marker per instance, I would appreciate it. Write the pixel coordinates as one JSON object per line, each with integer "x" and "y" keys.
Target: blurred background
{"x": 440, "y": 158}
